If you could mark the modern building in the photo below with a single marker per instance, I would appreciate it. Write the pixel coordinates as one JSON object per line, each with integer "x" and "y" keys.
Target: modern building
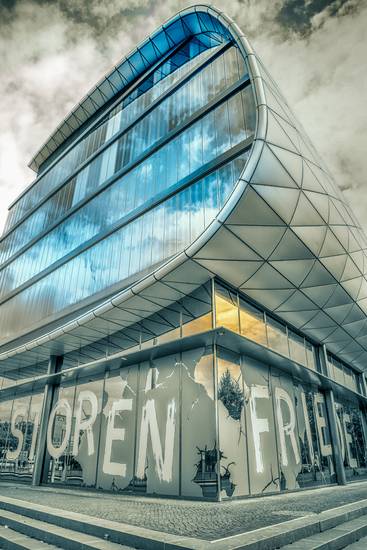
{"x": 183, "y": 287}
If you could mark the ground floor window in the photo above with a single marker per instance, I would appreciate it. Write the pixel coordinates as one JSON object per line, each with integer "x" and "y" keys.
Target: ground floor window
{"x": 352, "y": 440}
{"x": 198, "y": 423}
{"x": 19, "y": 427}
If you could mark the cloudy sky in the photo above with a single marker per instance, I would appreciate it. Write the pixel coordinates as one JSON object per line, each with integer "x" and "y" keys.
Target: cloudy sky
{"x": 53, "y": 51}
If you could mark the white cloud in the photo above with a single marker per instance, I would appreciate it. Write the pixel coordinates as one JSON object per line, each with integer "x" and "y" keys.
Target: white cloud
{"x": 49, "y": 58}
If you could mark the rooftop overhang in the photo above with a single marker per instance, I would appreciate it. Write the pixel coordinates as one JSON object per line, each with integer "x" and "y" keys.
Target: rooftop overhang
{"x": 187, "y": 23}
{"x": 284, "y": 237}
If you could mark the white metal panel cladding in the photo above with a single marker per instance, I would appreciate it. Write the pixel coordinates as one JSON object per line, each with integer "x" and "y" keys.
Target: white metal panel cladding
{"x": 285, "y": 237}
{"x": 291, "y": 242}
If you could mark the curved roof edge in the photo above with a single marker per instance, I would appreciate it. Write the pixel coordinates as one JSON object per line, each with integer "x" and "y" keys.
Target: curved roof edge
{"x": 170, "y": 34}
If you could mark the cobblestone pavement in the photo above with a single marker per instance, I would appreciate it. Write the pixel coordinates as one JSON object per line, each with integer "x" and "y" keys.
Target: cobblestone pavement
{"x": 205, "y": 520}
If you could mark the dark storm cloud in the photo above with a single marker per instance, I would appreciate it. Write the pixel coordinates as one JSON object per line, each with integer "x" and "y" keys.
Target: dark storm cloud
{"x": 298, "y": 16}
{"x": 52, "y": 52}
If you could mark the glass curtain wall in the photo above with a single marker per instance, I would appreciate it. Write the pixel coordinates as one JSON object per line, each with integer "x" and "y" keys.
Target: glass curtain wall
{"x": 19, "y": 425}
{"x": 136, "y": 102}
{"x": 138, "y": 132}
{"x": 273, "y": 430}
{"x": 147, "y": 227}
{"x": 151, "y": 428}
{"x": 234, "y": 313}
{"x": 137, "y": 429}
{"x": 352, "y": 435}
{"x": 161, "y": 172}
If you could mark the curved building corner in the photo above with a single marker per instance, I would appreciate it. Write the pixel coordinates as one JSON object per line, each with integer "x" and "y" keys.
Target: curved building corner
{"x": 183, "y": 287}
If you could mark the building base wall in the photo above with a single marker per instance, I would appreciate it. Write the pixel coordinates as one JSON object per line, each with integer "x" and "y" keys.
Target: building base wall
{"x": 202, "y": 423}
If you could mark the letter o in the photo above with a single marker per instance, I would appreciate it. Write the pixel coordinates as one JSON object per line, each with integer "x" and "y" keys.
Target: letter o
{"x": 56, "y": 452}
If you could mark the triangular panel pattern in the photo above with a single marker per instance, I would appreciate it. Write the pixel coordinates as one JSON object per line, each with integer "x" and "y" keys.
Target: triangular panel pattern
{"x": 294, "y": 216}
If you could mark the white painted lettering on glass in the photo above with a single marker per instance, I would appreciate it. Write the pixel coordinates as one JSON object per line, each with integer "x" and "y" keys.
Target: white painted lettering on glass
{"x": 115, "y": 434}
{"x": 164, "y": 464}
{"x": 259, "y": 425}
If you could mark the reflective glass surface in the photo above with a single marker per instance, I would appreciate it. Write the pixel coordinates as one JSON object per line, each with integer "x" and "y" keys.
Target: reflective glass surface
{"x": 169, "y": 72}
{"x": 139, "y": 132}
{"x": 226, "y": 309}
{"x": 234, "y": 313}
{"x": 19, "y": 425}
{"x": 154, "y": 176}
{"x": 352, "y": 440}
{"x": 277, "y": 336}
{"x": 316, "y": 455}
{"x": 135, "y": 247}
{"x": 252, "y": 323}
{"x": 297, "y": 348}
{"x": 343, "y": 374}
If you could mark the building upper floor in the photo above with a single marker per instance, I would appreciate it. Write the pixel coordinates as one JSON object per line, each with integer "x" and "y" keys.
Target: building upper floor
{"x": 185, "y": 162}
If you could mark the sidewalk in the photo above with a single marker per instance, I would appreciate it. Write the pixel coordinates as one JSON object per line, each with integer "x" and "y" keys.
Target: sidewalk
{"x": 204, "y": 520}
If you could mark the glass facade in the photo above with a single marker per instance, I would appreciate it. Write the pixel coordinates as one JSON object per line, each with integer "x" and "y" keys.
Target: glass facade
{"x": 352, "y": 436}
{"x": 150, "y": 428}
{"x": 19, "y": 426}
{"x": 132, "y": 137}
{"x": 123, "y": 432}
{"x": 155, "y": 208}
{"x": 185, "y": 60}
{"x": 234, "y": 313}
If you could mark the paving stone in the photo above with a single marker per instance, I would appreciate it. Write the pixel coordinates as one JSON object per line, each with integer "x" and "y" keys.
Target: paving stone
{"x": 198, "y": 519}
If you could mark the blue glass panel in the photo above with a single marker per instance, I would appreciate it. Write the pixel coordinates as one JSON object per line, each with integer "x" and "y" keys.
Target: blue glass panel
{"x": 176, "y": 31}
{"x": 156, "y": 235}
{"x": 171, "y": 163}
{"x": 85, "y": 148}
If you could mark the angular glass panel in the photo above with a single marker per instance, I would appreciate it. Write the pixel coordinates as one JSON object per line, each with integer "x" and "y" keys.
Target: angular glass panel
{"x": 157, "y": 451}
{"x": 338, "y": 372}
{"x": 277, "y": 336}
{"x": 252, "y": 323}
{"x": 226, "y": 309}
{"x": 201, "y": 324}
{"x": 264, "y": 474}
{"x": 199, "y": 446}
{"x": 352, "y": 440}
{"x": 316, "y": 453}
{"x": 59, "y": 459}
{"x": 117, "y": 430}
{"x": 350, "y": 379}
{"x": 284, "y": 401}
{"x": 81, "y": 468}
{"x": 311, "y": 356}
{"x": 297, "y": 348}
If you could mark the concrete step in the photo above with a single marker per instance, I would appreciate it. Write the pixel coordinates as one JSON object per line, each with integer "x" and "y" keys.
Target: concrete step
{"x": 360, "y": 545}
{"x": 11, "y": 540}
{"x": 333, "y": 539}
{"x": 21, "y": 530}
